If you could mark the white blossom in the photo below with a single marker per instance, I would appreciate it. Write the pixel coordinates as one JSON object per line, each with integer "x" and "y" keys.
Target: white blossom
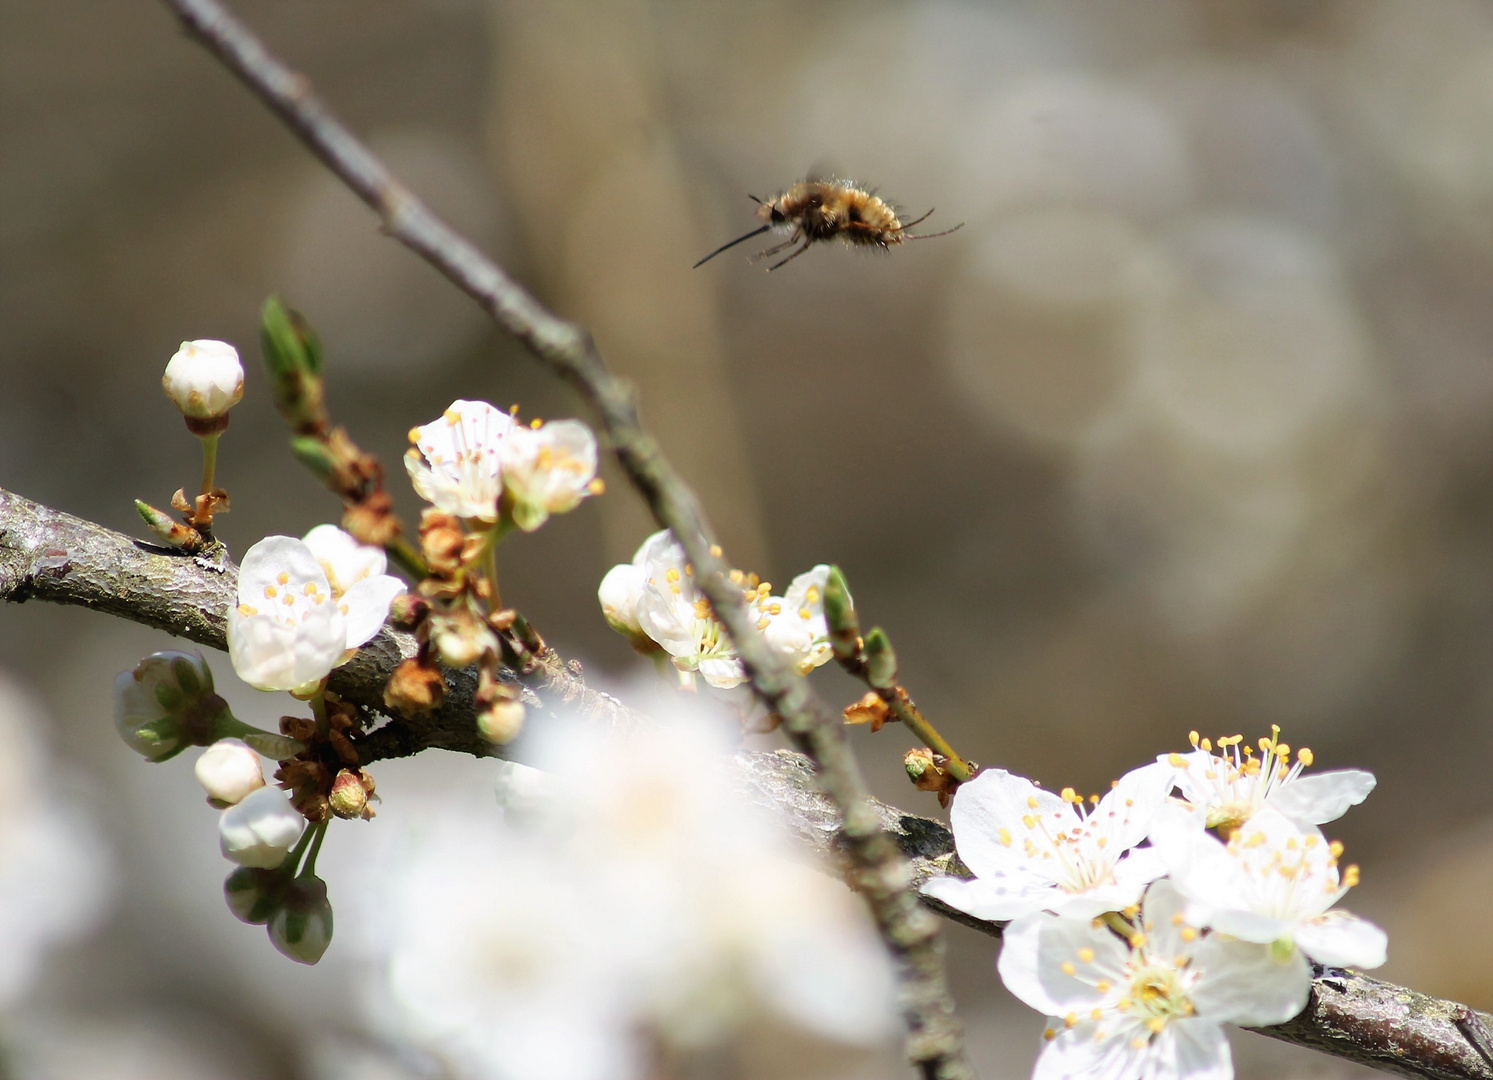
{"x": 637, "y": 898}
{"x": 1150, "y": 1005}
{"x": 547, "y": 470}
{"x": 288, "y": 630}
{"x": 675, "y": 613}
{"x": 1272, "y": 882}
{"x": 795, "y": 624}
{"x": 228, "y": 770}
{"x": 1229, "y": 786}
{"x": 1031, "y": 850}
{"x": 357, "y": 576}
{"x": 621, "y": 589}
{"x": 455, "y": 464}
{"x": 204, "y": 379}
{"x": 260, "y": 830}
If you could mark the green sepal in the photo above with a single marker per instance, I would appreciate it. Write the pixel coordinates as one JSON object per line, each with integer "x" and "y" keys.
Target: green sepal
{"x": 839, "y": 614}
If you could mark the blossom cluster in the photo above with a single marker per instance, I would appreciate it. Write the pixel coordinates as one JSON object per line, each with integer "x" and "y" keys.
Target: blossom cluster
{"x": 629, "y": 902}
{"x": 656, "y": 603}
{"x": 478, "y": 463}
{"x": 1194, "y": 893}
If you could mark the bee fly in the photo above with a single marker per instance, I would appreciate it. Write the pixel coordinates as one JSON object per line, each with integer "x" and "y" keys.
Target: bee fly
{"x": 814, "y": 210}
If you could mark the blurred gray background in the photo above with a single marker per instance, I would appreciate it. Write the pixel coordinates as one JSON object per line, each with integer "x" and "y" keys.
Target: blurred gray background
{"x": 1188, "y": 427}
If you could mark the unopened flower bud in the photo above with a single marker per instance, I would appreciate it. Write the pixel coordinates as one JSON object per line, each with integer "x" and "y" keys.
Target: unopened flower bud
{"x": 163, "y": 705}
{"x": 349, "y": 797}
{"x": 260, "y": 830}
{"x": 415, "y": 688}
{"x": 408, "y": 611}
{"x": 881, "y": 661}
{"x": 461, "y": 638}
{"x": 229, "y": 770}
{"x": 501, "y": 721}
{"x": 204, "y": 380}
{"x": 301, "y": 926}
{"x": 292, "y": 354}
{"x": 839, "y": 615}
{"x": 167, "y": 529}
{"x": 253, "y": 894}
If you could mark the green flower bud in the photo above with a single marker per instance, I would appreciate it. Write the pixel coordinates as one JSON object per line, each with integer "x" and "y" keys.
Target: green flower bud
{"x": 253, "y": 894}
{"x": 839, "y": 614}
{"x": 301, "y": 926}
{"x": 881, "y": 661}
{"x": 293, "y": 355}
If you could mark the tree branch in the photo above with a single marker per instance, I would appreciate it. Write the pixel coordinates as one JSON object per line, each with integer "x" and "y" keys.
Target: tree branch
{"x": 51, "y": 556}
{"x": 935, "y": 1044}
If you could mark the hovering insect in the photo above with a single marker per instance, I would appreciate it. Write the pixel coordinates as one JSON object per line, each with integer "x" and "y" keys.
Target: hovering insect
{"x": 813, "y": 210}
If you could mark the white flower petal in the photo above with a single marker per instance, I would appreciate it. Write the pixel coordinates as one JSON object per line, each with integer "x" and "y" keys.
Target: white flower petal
{"x": 261, "y": 829}
{"x": 1193, "y": 1049}
{"x": 1034, "y": 950}
{"x": 1245, "y": 983}
{"x": 1127, "y": 811}
{"x": 987, "y": 819}
{"x": 367, "y": 603}
{"x": 619, "y": 593}
{"x": 1075, "y": 1053}
{"x": 1322, "y": 797}
{"x": 997, "y": 899}
{"x": 1342, "y": 939}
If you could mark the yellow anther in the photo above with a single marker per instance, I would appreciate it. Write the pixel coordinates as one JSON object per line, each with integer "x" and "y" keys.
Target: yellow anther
{"x": 671, "y": 574}
{"x": 1102, "y": 986}
{"x": 1005, "y": 836}
{"x": 536, "y": 423}
{"x": 1137, "y": 939}
{"x": 1175, "y": 760}
{"x": 1156, "y": 1023}
{"x": 1029, "y": 821}
{"x": 763, "y": 623}
{"x": 1350, "y": 876}
{"x": 1071, "y": 1020}
{"x": 1068, "y": 968}
{"x": 283, "y": 578}
{"x": 1336, "y": 847}
{"x": 1177, "y": 919}
{"x": 1131, "y": 912}
{"x": 1050, "y": 1034}
{"x": 1188, "y": 933}
{"x": 1071, "y": 796}
{"x": 288, "y": 600}
{"x": 245, "y": 610}
{"x": 1139, "y": 1043}
{"x": 715, "y": 549}
{"x": 1305, "y": 756}
{"x": 1086, "y": 954}
{"x": 1096, "y": 1014}
{"x": 270, "y": 592}
{"x": 1124, "y": 1004}
{"x": 1207, "y": 746}
{"x": 737, "y": 577}
{"x": 1192, "y": 737}
{"x": 597, "y": 486}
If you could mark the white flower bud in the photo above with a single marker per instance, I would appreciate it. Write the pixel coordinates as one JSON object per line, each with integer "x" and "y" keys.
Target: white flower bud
{"x": 204, "y": 379}
{"x": 261, "y": 829}
{"x": 619, "y": 594}
{"x": 154, "y": 701}
{"x": 229, "y": 770}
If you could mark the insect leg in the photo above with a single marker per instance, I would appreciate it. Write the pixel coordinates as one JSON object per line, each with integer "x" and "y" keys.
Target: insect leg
{"x": 916, "y": 221}
{"x": 931, "y": 235}
{"x": 790, "y": 258}
{"x": 775, "y": 248}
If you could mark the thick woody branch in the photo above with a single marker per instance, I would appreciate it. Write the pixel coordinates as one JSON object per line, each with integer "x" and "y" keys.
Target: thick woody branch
{"x": 877, "y": 869}
{"x": 52, "y": 556}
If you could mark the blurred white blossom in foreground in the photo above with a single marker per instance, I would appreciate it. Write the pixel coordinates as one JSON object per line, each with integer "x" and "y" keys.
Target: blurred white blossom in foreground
{"x": 55, "y": 875}
{"x": 637, "y": 906}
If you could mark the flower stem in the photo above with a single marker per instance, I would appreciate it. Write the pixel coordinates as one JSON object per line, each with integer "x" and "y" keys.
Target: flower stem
{"x": 209, "y": 461}
{"x": 904, "y": 710}
{"x": 319, "y": 710}
{"x": 321, "y": 832}
{"x": 290, "y": 862}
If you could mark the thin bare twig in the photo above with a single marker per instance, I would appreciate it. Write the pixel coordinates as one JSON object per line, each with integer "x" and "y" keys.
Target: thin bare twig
{"x": 936, "y": 1044}
{"x": 51, "y": 556}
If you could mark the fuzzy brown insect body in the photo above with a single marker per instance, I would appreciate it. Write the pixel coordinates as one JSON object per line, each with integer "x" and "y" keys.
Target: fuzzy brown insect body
{"x": 815, "y": 210}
